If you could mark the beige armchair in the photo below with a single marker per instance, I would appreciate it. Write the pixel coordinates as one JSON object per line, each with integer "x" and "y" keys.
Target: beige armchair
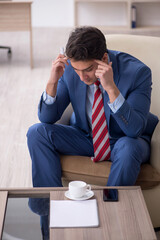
{"x": 146, "y": 49}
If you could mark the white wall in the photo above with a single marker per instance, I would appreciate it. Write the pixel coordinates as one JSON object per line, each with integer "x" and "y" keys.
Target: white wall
{"x": 52, "y": 13}
{"x": 60, "y": 13}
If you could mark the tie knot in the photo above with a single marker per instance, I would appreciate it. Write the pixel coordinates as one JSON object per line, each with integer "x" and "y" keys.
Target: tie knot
{"x": 97, "y": 83}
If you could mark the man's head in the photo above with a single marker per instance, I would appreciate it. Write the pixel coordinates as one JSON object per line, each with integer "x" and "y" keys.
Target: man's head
{"x": 84, "y": 45}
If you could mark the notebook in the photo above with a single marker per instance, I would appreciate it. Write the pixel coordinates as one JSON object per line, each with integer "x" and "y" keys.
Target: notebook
{"x": 67, "y": 213}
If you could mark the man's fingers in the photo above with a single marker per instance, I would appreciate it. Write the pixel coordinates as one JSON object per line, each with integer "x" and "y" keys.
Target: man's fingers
{"x": 106, "y": 67}
{"x": 62, "y": 60}
{"x": 61, "y": 56}
{"x": 103, "y": 64}
{"x": 100, "y": 62}
{"x": 100, "y": 71}
{"x": 59, "y": 65}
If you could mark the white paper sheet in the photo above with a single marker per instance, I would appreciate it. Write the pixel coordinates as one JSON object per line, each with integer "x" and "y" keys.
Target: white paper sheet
{"x": 67, "y": 213}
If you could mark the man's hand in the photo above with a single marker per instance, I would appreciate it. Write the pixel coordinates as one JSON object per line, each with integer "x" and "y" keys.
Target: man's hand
{"x": 57, "y": 70}
{"x": 105, "y": 73}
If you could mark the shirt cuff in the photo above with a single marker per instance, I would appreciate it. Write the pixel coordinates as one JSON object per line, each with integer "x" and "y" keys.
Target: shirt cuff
{"x": 48, "y": 99}
{"x": 117, "y": 103}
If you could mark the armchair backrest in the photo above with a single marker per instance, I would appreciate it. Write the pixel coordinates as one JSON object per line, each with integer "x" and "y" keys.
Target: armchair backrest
{"x": 146, "y": 49}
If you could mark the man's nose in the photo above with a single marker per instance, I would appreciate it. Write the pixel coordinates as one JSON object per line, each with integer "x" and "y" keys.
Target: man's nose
{"x": 82, "y": 75}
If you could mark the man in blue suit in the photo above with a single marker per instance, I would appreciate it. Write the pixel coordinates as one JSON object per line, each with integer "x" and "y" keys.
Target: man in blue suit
{"x": 125, "y": 83}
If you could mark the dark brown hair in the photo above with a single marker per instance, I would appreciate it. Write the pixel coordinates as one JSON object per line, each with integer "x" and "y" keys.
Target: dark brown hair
{"x": 86, "y": 43}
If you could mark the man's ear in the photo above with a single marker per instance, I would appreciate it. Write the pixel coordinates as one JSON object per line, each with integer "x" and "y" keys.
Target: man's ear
{"x": 105, "y": 58}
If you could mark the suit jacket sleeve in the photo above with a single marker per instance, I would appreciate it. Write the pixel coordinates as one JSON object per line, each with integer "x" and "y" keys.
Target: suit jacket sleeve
{"x": 52, "y": 113}
{"x": 132, "y": 115}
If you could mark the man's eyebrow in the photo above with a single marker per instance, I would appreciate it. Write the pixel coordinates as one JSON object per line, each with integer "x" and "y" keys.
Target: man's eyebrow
{"x": 83, "y": 69}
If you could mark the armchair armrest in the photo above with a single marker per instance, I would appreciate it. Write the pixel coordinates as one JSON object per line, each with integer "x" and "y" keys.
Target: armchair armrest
{"x": 155, "y": 148}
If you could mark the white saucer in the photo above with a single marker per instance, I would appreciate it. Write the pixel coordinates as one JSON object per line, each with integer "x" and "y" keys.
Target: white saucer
{"x": 88, "y": 195}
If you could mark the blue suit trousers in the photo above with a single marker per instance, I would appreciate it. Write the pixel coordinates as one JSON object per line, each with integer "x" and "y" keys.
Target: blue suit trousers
{"x": 47, "y": 141}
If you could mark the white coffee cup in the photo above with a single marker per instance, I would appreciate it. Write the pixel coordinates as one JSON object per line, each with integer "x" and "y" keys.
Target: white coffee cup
{"x": 78, "y": 189}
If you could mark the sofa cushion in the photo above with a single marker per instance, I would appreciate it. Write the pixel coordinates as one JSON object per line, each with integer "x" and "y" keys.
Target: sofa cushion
{"x": 82, "y": 168}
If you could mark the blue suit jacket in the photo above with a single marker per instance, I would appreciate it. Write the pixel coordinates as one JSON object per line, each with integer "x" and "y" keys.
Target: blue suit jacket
{"x": 133, "y": 79}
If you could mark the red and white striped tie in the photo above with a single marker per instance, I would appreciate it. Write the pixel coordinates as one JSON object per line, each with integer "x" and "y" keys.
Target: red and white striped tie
{"x": 99, "y": 128}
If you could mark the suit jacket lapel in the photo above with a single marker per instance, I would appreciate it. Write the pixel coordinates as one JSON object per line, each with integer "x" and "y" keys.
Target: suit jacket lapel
{"x": 106, "y": 107}
{"x": 80, "y": 96}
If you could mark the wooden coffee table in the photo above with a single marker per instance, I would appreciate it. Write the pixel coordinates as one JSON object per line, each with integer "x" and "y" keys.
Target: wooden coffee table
{"x": 126, "y": 219}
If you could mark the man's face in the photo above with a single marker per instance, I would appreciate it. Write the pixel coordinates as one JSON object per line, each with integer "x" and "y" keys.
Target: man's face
{"x": 85, "y": 70}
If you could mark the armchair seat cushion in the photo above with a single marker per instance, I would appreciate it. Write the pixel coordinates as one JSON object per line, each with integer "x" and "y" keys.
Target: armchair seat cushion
{"x": 82, "y": 168}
